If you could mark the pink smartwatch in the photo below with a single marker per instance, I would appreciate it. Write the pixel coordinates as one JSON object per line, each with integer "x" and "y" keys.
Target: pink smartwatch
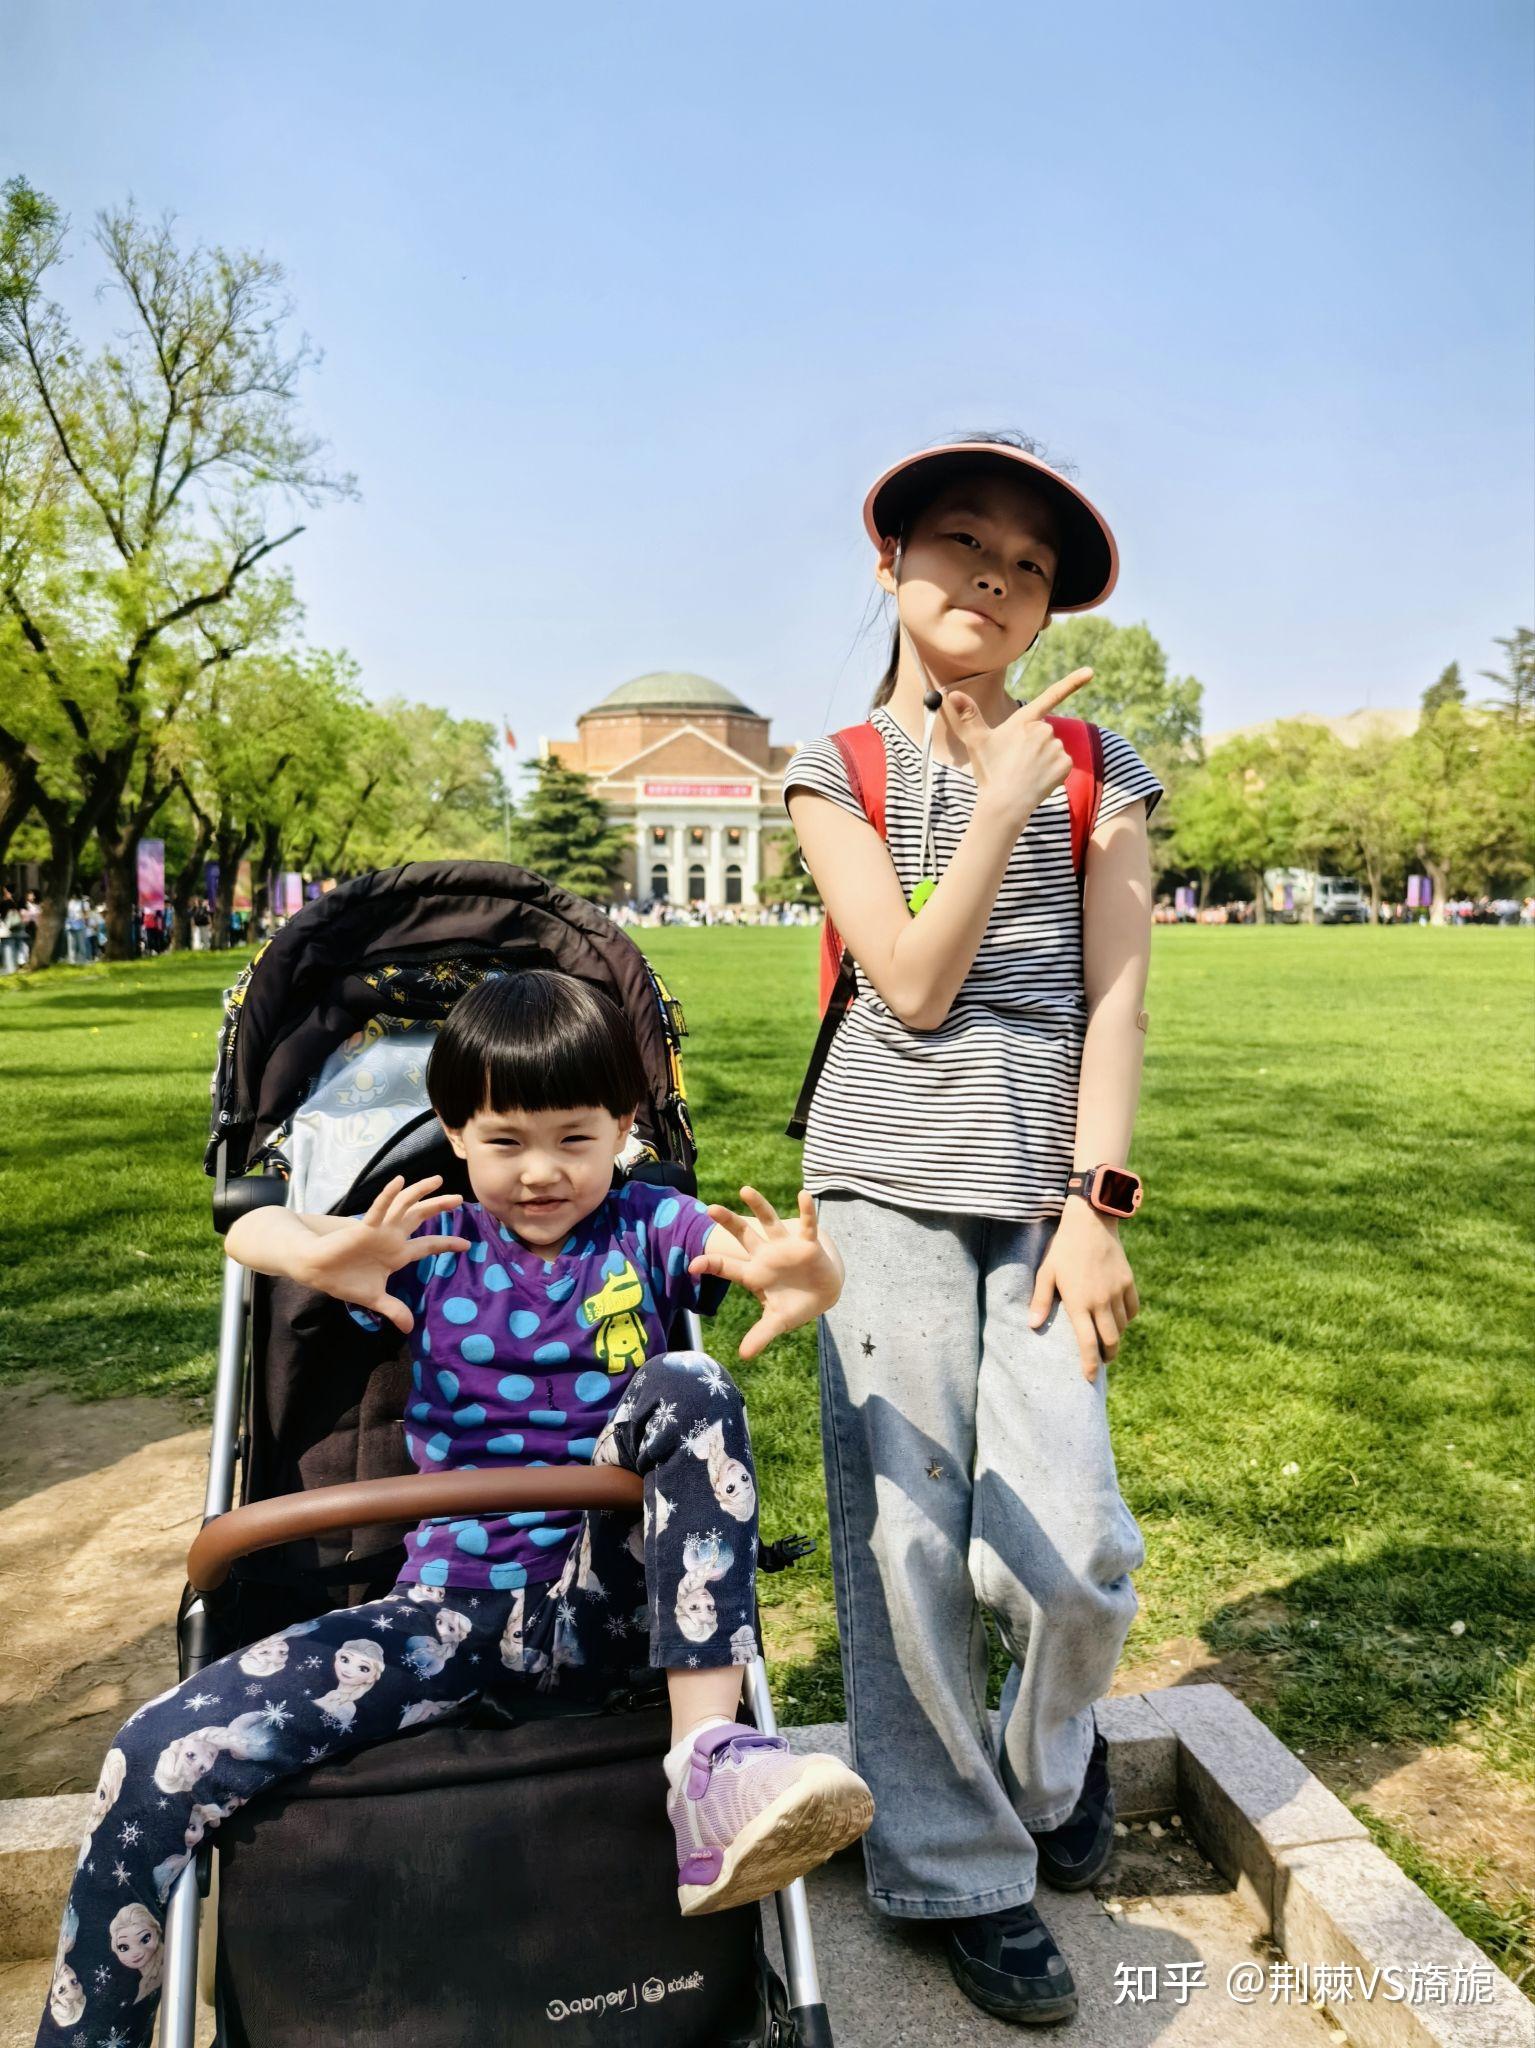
{"x": 1112, "y": 1190}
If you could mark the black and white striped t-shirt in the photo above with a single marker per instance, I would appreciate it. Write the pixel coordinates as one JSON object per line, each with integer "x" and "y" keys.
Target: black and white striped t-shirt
{"x": 978, "y": 1115}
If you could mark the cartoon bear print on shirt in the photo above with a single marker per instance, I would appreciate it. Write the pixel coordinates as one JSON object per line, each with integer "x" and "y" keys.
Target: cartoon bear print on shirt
{"x": 733, "y": 1485}
{"x": 704, "y": 1559}
{"x": 135, "y": 1937}
{"x": 359, "y": 1665}
{"x": 426, "y": 1655}
{"x": 620, "y": 1340}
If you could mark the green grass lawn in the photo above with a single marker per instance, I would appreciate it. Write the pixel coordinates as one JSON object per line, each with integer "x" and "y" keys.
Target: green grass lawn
{"x": 1323, "y": 1419}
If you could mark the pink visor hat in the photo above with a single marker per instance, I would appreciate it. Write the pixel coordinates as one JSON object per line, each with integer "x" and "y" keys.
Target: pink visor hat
{"x": 1089, "y": 559}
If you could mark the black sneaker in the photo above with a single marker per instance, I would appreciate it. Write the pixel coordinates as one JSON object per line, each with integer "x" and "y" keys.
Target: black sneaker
{"x": 1007, "y": 1964}
{"x": 1073, "y": 1854}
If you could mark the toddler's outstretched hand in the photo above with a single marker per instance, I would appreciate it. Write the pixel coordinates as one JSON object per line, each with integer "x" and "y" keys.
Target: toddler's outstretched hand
{"x": 792, "y": 1270}
{"x": 354, "y": 1261}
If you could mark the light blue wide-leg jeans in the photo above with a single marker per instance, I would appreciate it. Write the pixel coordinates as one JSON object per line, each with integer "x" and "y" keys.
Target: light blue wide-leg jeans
{"x": 968, "y": 1470}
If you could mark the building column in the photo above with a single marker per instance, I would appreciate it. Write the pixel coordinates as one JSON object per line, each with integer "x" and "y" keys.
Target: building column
{"x": 751, "y": 865}
{"x": 714, "y": 868}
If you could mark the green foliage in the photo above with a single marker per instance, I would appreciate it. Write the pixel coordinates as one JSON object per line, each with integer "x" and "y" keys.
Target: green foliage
{"x": 790, "y": 881}
{"x": 1516, "y": 680}
{"x": 1449, "y": 689}
{"x": 1455, "y": 798}
{"x": 562, "y": 833}
{"x": 1131, "y": 690}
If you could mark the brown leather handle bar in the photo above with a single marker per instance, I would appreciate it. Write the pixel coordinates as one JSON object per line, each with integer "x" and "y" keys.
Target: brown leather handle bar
{"x": 408, "y": 1499}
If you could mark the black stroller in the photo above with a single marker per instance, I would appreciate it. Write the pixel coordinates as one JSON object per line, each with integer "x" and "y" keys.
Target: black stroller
{"x": 441, "y": 1888}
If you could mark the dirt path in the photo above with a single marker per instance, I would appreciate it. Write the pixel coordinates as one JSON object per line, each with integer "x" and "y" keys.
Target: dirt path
{"x": 98, "y": 1503}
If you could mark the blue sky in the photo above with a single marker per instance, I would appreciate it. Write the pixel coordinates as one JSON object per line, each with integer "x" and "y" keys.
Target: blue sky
{"x": 623, "y": 307}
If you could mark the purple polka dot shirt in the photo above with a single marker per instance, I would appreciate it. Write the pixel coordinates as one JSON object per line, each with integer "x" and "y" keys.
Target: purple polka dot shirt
{"x": 519, "y": 1359}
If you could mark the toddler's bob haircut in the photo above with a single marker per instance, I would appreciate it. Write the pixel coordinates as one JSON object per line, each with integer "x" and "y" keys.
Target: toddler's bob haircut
{"x": 534, "y": 1041}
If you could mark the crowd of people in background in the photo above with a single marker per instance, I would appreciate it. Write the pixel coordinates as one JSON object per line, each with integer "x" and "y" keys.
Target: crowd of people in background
{"x": 656, "y": 910}
{"x": 85, "y": 924}
{"x": 85, "y": 929}
{"x": 1458, "y": 911}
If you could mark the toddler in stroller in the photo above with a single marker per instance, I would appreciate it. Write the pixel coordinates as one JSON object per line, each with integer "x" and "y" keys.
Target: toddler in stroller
{"x": 535, "y": 1317}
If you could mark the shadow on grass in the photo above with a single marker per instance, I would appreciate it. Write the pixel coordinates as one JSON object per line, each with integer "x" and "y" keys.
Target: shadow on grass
{"x": 1396, "y": 1647}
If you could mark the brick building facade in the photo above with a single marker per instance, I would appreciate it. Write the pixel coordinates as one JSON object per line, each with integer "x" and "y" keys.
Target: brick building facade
{"x": 694, "y": 773}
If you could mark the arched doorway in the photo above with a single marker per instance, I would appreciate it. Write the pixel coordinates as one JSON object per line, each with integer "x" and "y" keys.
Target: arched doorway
{"x": 697, "y": 887}
{"x": 658, "y": 883}
{"x": 733, "y": 883}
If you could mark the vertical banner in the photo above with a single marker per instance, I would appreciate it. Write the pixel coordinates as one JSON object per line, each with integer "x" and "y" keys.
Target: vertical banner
{"x": 1183, "y": 900}
{"x": 242, "y": 895}
{"x": 291, "y": 899}
{"x": 151, "y": 874}
{"x": 1420, "y": 893}
{"x": 211, "y": 881}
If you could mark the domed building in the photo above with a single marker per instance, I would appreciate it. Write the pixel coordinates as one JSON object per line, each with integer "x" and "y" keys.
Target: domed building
{"x": 692, "y": 770}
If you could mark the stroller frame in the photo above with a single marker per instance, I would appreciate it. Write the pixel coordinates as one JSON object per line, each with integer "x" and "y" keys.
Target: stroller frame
{"x": 807, "y": 2024}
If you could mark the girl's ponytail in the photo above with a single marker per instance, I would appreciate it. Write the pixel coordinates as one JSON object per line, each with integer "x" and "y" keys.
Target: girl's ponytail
{"x": 885, "y": 687}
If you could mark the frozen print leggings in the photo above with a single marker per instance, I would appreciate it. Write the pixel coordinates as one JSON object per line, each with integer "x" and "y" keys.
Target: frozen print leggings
{"x": 677, "y": 1588}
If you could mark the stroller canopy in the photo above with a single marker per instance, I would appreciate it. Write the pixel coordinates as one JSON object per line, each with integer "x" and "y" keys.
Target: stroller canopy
{"x": 401, "y": 946}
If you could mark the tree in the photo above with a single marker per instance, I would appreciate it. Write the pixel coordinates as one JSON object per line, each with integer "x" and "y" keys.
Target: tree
{"x": 160, "y": 455}
{"x": 1454, "y": 801}
{"x": 791, "y": 881}
{"x": 1221, "y": 820}
{"x": 562, "y": 832}
{"x": 1131, "y": 690}
{"x": 1449, "y": 689}
{"x": 1517, "y": 679}
{"x": 443, "y": 796}
{"x": 1355, "y": 794}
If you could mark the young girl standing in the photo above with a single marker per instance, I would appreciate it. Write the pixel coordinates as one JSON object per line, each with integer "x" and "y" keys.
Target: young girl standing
{"x": 967, "y": 1142}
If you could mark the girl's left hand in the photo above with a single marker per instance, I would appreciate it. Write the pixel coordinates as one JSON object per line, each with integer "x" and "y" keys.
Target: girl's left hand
{"x": 792, "y": 1270}
{"x": 1087, "y": 1267}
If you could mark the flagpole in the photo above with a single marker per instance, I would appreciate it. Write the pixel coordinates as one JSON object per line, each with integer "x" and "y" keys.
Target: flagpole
{"x": 509, "y": 742}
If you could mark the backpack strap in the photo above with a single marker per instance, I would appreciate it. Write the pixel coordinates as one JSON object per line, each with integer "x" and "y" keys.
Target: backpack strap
{"x": 1084, "y": 785}
{"x": 863, "y": 759}
{"x": 863, "y": 756}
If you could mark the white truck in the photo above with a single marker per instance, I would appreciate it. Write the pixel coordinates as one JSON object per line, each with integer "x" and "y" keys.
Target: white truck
{"x": 1299, "y": 896}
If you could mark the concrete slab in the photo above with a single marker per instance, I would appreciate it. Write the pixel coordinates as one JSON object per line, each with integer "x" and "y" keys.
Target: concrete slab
{"x": 1152, "y": 1970}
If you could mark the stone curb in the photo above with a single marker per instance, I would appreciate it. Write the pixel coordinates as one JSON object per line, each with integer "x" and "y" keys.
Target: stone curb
{"x": 39, "y": 1842}
{"x": 1307, "y": 1869}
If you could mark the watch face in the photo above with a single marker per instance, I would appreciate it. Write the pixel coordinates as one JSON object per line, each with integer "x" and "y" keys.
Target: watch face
{"x": 1117, "y": 1191}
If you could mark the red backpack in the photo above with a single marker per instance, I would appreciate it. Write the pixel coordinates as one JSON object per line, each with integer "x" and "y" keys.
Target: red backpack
{"x": 863, "y": 756}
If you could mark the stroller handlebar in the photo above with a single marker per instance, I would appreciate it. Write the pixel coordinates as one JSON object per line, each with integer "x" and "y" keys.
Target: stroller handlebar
{"x": 410, "y": 1498}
